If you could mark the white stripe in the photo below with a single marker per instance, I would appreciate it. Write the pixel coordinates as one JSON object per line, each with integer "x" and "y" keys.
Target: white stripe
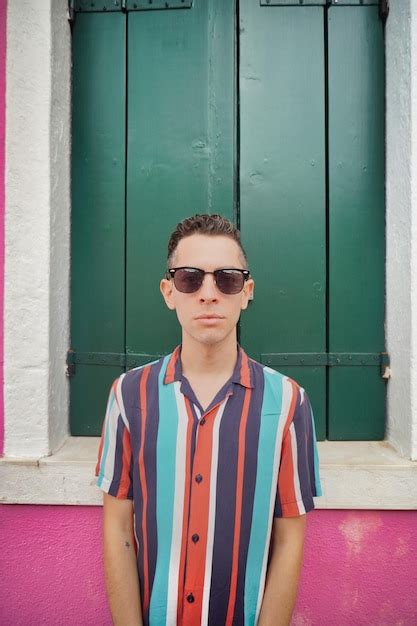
{"x": 212, "y": 514}
{"x": 119, "y": 398}
{"x": 134, "y": 529}
{"x": 297, "y": 487}
{"x": 287, "y": 394}
{"x": 198, "y": 412}
{"x": 111, "y": 421}
{"x": 180, "y": 471}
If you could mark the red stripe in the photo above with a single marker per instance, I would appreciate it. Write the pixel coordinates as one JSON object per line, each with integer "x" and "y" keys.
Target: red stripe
{"x": 199, "y": 520}
{"x": 286, "y": 475}
{"x": 125, "y": 479}
{"x": 144, "y": 489}
{"x": 245, "y": 371}
{"x": 238, "y": 507}
{"x": 170, "y": 371}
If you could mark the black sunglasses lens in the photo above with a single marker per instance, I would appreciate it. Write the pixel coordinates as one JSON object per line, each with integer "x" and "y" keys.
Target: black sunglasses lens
{"x": 229, "y": 281}
{"x": 188, "y": 280}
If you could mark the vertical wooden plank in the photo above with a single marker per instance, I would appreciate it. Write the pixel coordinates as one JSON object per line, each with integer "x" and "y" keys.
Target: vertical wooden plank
{"x": 180, "y": 148}
{"x": 356, "y": 218}
{"x": 98, "y": 199}
{"x": 282, "y": 195}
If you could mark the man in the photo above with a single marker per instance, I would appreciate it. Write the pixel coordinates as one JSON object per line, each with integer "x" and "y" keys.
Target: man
{"x": 208, "y": 459}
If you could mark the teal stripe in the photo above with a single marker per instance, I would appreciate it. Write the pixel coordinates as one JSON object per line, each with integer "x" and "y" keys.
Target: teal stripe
{"x": 165, "y": 490}
{"x": 106, "y": 441}
{"x": 271, "y": 410}
{"x": 319, "y": 491}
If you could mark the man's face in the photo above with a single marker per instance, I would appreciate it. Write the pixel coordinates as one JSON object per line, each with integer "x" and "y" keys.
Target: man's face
{"x": 207, "y": 252}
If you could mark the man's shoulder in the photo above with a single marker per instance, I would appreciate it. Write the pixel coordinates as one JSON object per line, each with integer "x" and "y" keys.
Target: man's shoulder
{"x": 129, "y": 381}
{"x": 277, "y": 384}
{"x": 137, "y": 370}
{"x": 272, "y": 375}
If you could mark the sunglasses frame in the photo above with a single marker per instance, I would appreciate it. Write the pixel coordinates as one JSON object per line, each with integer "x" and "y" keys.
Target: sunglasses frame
{"x": 170, "y": 273}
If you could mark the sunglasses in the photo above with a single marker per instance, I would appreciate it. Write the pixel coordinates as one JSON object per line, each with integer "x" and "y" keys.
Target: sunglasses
{"x": 190, "y": 279}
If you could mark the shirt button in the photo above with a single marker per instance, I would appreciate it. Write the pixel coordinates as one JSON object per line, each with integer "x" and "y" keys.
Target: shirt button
{"x": 190, "y": 597}
{"x": 203, "y": 421}
{"x": 195, "y": 537}
{"x": 199, "y": 478}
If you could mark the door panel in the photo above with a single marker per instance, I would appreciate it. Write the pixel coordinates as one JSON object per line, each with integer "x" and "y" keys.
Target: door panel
{"x": 282, "y": 191}
{"x": 98, "y": 213}
{"x": 180, "y": 148}
{"x": 356, "y": 219}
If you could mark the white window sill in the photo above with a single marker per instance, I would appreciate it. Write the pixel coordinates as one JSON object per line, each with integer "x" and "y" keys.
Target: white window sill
{"x": 354, "y": 475}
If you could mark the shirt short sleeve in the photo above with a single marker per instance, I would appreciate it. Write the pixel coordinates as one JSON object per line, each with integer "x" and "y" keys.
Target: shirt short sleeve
{"x": 298, "y": 475}
{"x": 114, "y": 461}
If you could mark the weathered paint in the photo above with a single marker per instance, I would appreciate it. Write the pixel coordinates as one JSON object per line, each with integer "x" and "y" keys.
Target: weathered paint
{"x": 359, "y": 568}
{"x": 3, "y": 7}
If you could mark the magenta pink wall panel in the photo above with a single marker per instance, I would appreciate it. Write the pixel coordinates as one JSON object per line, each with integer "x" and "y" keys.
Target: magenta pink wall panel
{"x": 3, "y": 12}
{"x": 359, "y": 568}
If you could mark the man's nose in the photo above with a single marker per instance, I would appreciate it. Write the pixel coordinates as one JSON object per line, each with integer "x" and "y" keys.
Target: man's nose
{"x": 208, "y": 289}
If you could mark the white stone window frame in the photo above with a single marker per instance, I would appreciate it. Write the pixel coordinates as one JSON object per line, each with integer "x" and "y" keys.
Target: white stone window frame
{"x": 42, "y": 463}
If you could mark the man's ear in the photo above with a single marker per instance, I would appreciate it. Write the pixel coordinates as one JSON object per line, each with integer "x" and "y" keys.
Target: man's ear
{"x": 167, "y": 292}
{"x": 248, "y": 292}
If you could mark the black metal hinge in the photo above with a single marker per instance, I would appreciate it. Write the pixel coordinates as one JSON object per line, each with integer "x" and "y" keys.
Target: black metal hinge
{"x": 117, "y": 359}
{"x": 273, "y": 359}
{"x": 329, "y": 359}
{"x": 112, "y": 6}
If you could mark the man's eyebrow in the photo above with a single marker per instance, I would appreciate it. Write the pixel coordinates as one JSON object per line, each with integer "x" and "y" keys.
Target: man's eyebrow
{"x": 221, "y": 267}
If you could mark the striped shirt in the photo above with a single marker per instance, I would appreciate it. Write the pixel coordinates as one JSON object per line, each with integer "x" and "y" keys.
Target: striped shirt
{"x": 207, "y": 484}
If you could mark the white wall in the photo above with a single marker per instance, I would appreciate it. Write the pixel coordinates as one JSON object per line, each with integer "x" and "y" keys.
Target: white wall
{"x": 401, "y": 224}
{"x": 37, "y": 226}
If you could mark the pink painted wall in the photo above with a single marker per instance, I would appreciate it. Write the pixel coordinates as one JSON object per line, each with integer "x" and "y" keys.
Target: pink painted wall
{"x": 359, "y": 568}
{"x": 3, "y": 14}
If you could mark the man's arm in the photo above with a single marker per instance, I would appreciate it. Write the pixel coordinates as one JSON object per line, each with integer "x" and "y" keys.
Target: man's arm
{"x": 283, "y": 571}
{"x": 120, "y": 561}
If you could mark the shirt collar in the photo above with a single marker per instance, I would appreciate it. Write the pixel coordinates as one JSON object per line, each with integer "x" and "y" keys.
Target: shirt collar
{"x": 242, "y": 373}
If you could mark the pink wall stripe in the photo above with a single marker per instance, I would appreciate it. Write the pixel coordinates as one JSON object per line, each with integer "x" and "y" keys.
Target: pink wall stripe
{"x": 3, "y": 17}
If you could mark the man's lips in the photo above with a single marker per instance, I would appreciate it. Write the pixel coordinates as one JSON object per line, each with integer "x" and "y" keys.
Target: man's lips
{"x": 209, "y": 317}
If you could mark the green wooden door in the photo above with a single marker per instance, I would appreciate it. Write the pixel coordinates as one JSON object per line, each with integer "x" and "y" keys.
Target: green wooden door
{"x": 267, "y": 113}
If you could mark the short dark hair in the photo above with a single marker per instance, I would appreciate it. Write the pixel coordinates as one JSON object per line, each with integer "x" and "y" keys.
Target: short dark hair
{"x": 204, "y": 224}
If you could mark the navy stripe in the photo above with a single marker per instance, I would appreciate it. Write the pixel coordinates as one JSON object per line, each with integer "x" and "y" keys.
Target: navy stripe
{"x": 118, "y": 458}
{"x": 225, "y": 507}
{"x": 300, "y": 421}
{"x": 151, "y": 435}
{"x": 251, "y": 462}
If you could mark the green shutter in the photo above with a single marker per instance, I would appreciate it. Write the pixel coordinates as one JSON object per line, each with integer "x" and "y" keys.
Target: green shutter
{"x": 282, "y": 192}
{"x": 356, "y": 219}
{"x": 180, "y": 148}
{"x": 98, "y": 211}
{"x": 277, "y": 122}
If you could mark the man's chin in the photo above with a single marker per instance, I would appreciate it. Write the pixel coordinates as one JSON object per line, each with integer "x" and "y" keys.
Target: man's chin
{"x": 211, "y": 336}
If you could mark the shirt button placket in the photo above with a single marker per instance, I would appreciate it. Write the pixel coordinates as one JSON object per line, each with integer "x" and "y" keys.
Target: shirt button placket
{"x": 196, "y": 497}
{"x": 195, "y": 537}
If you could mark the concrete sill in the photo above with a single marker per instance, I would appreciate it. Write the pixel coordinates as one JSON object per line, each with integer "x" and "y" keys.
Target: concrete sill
{"x": 354, "y": 475}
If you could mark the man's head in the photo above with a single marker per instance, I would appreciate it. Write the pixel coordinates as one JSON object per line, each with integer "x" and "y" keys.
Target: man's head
{"x": 207, "y": 242}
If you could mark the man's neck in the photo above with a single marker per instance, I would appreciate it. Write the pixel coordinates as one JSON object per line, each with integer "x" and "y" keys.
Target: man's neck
{"x": 199, "y": 360}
